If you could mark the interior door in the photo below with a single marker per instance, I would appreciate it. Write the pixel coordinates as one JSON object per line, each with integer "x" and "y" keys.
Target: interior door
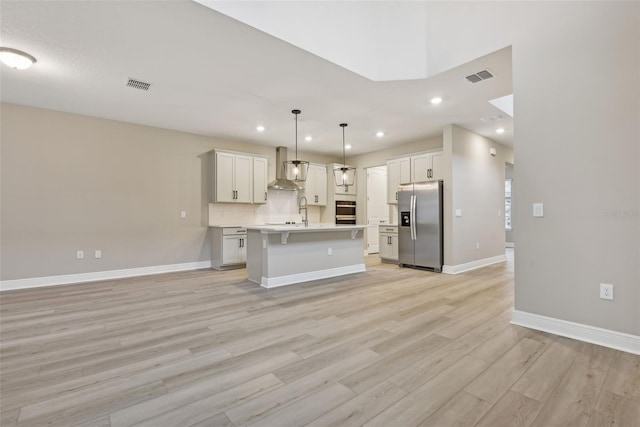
{"x": 377, "y": 209}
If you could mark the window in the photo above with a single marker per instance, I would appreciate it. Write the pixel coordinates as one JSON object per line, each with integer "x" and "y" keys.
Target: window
{"x": 507, "y": 204}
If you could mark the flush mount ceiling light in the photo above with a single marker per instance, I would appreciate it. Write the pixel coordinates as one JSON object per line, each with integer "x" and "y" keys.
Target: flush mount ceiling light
{"x": 296, "y": 170}
{"x": 308, "y": 138}
{"x": 348, "y": 146}
{"x": 260, "y": 128}
{"x": 379, "y": 134}
{"x": 345, "y": 175}
{"x": 500, "y": 130}
{"x": 437, "y": 100}
{"x": 16, "y": 59}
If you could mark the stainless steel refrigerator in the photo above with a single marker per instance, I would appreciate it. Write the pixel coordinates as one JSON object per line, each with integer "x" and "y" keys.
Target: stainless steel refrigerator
{"x": 420, "y": 228}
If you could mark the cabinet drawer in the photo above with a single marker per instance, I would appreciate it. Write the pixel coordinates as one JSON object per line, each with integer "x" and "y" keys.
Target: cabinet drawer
{"x": 388, "y": 229}
{"x": 234, "y": 231}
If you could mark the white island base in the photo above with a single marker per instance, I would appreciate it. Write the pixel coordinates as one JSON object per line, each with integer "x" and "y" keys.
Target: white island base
{"x": 284, "y": 255}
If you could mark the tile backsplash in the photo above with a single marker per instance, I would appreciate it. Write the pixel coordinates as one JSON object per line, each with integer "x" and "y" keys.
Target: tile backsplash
{"x": 281, "y": 206}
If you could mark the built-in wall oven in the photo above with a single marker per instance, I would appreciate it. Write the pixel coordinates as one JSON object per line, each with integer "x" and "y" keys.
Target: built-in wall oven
{"x": 345, "y": 212}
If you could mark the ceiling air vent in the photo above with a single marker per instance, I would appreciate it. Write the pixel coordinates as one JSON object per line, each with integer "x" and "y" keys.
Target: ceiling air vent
{"x": 137, "y": 84}
{"x": 479, "y": 76}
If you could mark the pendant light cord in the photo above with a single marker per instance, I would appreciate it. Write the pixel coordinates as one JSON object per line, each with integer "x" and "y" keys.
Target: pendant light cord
{"x": 296, "y": 136}
{"x": 344, "y": 155}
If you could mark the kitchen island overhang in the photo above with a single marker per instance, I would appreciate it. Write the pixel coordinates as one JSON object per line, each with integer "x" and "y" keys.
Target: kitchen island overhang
{"x": 285, "y": 255}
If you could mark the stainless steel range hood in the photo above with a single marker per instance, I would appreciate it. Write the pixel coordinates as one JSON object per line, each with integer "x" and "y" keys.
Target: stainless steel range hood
{"x": 281, "y": 182}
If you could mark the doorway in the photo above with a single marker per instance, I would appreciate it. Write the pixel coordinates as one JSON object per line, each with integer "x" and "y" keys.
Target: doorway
{"x": 377, "y": 208}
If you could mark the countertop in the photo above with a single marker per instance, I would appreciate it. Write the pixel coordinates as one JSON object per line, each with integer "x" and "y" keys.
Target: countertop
{"x": 300, "y": 228}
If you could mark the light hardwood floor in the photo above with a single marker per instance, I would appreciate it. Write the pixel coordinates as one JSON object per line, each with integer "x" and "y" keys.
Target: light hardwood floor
{"x": 389, "y": 347}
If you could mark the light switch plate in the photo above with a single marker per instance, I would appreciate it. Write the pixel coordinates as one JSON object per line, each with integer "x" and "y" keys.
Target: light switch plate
{"x": 538, "y": 210}
{"x": 458, "y": 213}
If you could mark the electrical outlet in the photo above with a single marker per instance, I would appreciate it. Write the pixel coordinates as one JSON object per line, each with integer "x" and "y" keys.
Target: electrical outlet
{"x": 183, "y": 214}
{"x": 80, "y": 254}
{"x": 329, "y": 251}
{"x": 98, "y": 254}
{"x": 606, "y": 291}
{"x": 477, "y": 246}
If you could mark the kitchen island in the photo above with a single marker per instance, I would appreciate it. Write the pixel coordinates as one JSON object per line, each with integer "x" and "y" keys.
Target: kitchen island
{"x": 287, "y": 254}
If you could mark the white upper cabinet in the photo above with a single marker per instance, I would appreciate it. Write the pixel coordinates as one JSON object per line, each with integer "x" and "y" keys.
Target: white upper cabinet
{"x": 398, "y": 172}
{"x": 316, "y": 185}
{"x": 233, "y": 178}
{"x": 427, "y": 167}
{"x": 260, "y": 165}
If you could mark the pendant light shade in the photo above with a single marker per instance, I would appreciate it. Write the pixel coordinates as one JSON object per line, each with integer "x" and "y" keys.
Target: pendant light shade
{"x": 345, "y": 175}
{"x": 296, "y": 170}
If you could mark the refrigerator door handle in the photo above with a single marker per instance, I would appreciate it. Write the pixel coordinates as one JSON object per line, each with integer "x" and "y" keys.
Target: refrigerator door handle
{"x": 413, "y": 217}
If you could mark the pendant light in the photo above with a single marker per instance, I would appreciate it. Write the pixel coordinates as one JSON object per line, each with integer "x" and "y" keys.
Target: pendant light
{"x": 296, "y": 170}
{"x": 345, "y": 175}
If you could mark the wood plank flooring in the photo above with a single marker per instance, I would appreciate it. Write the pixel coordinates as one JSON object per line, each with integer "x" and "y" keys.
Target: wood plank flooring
{"x": 389, "y": 347}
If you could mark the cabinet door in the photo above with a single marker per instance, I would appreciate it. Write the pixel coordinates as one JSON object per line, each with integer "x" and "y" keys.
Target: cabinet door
{"x": 224, "y": 177}
{"x": 393, "y": 180}
{"x": 232, "y": 250}
{"x": 310, "y": 186}
{"x": 405, "y": 170}
{"x": 385, "y": 246}
{"x": 320, "y": 185}
{"x": 437, "y": 166}
{"x": 259, "y": 180}
{"x": 420, "y": 168}
{"x": 243, "y": 178}
{"x": 394, "y": 246}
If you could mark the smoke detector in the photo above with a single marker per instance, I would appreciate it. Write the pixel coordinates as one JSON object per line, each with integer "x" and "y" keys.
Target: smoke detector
{"x": 479, "y": 76}
{"x": 137, "y": 84}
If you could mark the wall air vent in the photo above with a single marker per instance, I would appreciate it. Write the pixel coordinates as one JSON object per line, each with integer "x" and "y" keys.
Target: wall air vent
{"x": 479, "y": 76}
{"x": 137, "y": 84}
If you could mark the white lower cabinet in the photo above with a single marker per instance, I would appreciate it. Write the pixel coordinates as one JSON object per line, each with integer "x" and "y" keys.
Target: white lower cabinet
{"x": 389, "y": 243}
{"x": 228, "y": 247}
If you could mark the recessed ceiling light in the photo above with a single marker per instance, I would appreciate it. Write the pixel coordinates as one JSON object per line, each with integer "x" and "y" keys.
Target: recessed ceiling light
{"x": 379, "y": 134}
{"x": 16, "y": 59}
{"x": 500, "y": 130}
{"x": 347, "y": 147}
{"x": 308, "y": 138}
{"x": 437, "y": 100}
{"x": 260, "y": 128}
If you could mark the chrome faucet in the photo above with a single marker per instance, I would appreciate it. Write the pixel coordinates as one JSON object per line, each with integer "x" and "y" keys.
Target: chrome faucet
{"x": 301, "y": 207}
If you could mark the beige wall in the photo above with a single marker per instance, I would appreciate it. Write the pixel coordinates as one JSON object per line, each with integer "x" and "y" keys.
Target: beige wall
{"x": 577, "y": 150}
{"x": 476, "y": 186}
{"x": 73, "y": 182}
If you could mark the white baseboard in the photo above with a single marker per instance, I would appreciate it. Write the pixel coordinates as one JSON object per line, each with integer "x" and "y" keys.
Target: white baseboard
{"x": 461, "y": 268}
{"x": 509, "y": 245}
{"x": 592, "y": 334}
{"x": 274, "y": 282}
{"x": 68, "y": 279}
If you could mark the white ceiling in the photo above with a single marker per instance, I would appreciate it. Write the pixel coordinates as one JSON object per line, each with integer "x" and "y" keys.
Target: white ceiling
{"x": 213, "y": 75}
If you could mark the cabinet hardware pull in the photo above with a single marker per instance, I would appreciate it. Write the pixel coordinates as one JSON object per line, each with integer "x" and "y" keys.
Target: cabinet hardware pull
{"x": 265, "y": 195}
{"x": 396, "y": 195}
